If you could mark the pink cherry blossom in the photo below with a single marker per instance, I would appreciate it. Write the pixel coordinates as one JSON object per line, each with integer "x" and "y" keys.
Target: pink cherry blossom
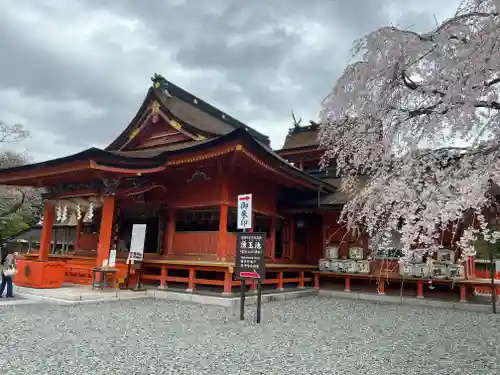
{"x": 413, "y": 125}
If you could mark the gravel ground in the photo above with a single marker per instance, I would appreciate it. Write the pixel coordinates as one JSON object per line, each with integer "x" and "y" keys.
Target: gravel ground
{"x": 304, "y": 336}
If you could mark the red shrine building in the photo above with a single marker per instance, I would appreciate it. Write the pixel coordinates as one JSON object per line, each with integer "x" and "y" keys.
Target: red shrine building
{"x": 178, "y": 167}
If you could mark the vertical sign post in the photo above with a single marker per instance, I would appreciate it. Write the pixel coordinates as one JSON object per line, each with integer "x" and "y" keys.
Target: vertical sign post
{"x": 136, "y": 251}
{"x": 244, "y": 219}
{"x": 250, "y": 264}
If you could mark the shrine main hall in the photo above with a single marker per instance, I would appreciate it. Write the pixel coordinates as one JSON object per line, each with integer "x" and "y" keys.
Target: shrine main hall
{"x": 178, "y": 167}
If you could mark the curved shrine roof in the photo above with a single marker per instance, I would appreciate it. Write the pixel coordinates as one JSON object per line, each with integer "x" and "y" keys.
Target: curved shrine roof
{"x": 194, "y": 114}
{"x": 301, "y": 137}
{"x": 147, "y": 159}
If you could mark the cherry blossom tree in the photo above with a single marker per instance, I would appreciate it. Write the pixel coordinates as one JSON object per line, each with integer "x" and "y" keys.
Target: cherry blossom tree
{"x": 13, "y": 199}
{"x": 417, "y": 118}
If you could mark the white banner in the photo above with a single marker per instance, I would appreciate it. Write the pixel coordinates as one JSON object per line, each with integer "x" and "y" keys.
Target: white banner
{"x": 245, "y": 211}
{"x": 137, "y": 242}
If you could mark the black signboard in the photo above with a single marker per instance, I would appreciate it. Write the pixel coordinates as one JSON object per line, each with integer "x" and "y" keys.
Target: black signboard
{"x": 250, "y": 256}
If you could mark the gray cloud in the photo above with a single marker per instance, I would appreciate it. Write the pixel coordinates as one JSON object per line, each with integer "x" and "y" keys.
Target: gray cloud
{"x": 75, "y": 72}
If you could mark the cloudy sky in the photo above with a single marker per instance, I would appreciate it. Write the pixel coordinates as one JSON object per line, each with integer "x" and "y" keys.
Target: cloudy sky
{"x": 74, "y": 72}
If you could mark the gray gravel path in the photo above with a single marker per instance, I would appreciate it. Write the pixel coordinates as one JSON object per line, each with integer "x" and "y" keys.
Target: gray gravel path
{"x": 304, "y": 336}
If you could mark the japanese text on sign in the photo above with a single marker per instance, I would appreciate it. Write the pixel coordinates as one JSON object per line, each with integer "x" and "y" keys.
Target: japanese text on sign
{"x": 250, "y": 253}
{"x": 245, "y": 211}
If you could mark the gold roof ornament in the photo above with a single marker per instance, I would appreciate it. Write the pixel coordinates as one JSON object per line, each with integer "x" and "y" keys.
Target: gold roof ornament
{"x": 133, "y": 133}
{"x": 155, "y": 107}
{"x": 175, "y": 125}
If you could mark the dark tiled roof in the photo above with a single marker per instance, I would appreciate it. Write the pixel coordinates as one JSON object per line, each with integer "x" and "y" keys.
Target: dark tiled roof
{"x": 302, "y": 136}
{"x": 203, "y": 106}
{"x": 153, "y": 157}
{"x": 196, "y": 117}
{"x": 194, "y": 114}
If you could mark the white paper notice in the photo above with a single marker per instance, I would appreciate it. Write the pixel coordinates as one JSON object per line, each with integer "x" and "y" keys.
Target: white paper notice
{"x": 137, "y": 242}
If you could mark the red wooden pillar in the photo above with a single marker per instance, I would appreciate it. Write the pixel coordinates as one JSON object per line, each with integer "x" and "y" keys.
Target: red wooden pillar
{"x": 381, "y": 286}
{"x": 420, "y": 289}
{"x": 163, "y": 277}
{"x": 227, "y": 283}
{"x": 46, "y": 236}
{"x": 171, "y": 217}
{"x": 463, "y": 293}
{"x": 316, "y": 280}
{"x": 347, "y": 287}
{"x": 191, "y": 281}
{"x": 280, "y": 281}
{"x": 301, "y": 279}
{"x": 222, "y": 244}
{"x": 106, "y": 229}
{"x": 272, "y": 230}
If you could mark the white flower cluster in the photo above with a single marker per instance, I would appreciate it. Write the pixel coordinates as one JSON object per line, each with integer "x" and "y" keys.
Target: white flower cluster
{"x": 393, "y": 121}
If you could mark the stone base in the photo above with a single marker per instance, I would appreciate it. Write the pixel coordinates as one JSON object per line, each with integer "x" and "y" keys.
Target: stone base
{"x": 76, "y": 294}
{"x": 373, "y": 297}
{"x": 233, "y": 301}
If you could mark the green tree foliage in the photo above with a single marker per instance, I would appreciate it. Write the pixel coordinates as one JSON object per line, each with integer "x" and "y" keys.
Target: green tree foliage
{"x": 14, "y": 225}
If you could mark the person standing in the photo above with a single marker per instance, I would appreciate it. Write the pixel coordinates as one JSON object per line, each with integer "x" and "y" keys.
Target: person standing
{"x": 7, "y": 264}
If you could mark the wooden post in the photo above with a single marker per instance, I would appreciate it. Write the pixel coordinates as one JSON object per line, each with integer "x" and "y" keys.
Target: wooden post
{"x": 171, "y": 217}
{"x": 46, "y": 236}
{"x": 222, "y": 243}
{"x": 106, "y": 229}
{"x": 163, "y": 277}
{"x": 227, "y": 283}
{"x": 272, "y": 230}
{"x": 316, "y": 281}
{"x": 191, "y": 281}
{"x": 301, "y": 279}
{"x": 381, "y": 286}
{"x": 463, "y": 293}
{"x": 347, "y": 287}
{"x": 420, "y": 289}
{"x": 280, "y": 281}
